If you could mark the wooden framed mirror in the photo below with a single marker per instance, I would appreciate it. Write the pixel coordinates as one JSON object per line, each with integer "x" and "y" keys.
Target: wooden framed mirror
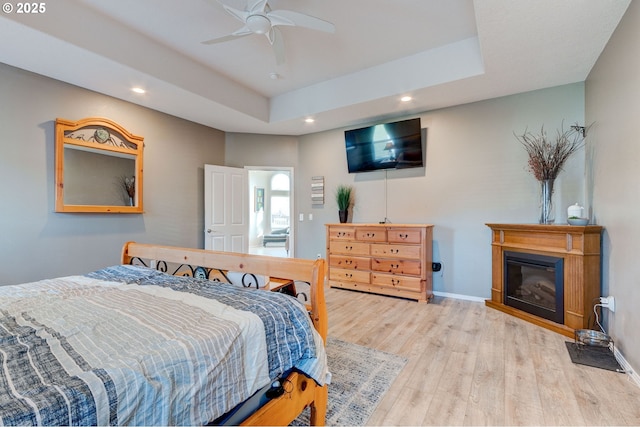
{"x": 98, "y": 167}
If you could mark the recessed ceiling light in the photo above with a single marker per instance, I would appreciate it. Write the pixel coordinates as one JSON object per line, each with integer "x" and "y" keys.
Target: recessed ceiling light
{"x": 406, "y": 99}
{"x": 138, "y": 90}
{"x": 309, "y": 120}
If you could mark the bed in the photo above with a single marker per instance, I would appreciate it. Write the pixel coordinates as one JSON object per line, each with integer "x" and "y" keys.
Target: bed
{"x": 161, "y": 339}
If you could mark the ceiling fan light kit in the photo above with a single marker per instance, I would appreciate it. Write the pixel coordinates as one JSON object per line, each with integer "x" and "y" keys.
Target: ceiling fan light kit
{"x": 258, "y": 18}
{"x": 258, "y": 24}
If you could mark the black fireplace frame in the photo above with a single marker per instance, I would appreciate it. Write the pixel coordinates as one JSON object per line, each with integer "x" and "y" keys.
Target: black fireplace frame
{"x": 536, "y": 261}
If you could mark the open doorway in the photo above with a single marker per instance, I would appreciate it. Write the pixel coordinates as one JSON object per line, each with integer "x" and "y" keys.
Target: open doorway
{"x": 271, "y": 207}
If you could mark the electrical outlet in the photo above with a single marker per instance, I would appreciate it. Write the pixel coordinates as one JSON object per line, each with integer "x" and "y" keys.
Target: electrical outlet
{"x": 608, "y": 302}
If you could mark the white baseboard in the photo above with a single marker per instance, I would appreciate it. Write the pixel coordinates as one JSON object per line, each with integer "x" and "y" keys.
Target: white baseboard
{"x": 458, "y": 296}
{"x": 633, "y": 374}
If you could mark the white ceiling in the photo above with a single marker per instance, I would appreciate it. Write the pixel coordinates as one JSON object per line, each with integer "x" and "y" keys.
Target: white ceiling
{"x": 441, "y": 52}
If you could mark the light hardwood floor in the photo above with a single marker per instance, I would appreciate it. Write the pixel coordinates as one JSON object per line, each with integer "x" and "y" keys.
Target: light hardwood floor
{"x": 472, "y": 365}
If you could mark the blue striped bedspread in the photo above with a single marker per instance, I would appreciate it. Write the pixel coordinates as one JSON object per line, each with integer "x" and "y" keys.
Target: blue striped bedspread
{"x": 129, "y": 345}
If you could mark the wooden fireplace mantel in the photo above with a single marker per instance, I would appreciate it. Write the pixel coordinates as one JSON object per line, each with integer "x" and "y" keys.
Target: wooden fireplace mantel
{"x": 578, "y": 246}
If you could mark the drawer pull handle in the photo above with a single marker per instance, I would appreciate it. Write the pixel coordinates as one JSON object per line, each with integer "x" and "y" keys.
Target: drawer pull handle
{"x": 395, "y": 266}
{"x": 395, "y": 251}
{"x": 348, "y": 275}
{"x": 348, "y": 248}
{"x": 348, "y": 262}
{"x": 404, "y": 236}
{"x": 395, "y": 282}
{"x": 371, "y": 234}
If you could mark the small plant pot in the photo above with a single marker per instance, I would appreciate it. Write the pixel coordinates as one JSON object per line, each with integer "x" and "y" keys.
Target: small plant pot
{"x": 343, "y": 215}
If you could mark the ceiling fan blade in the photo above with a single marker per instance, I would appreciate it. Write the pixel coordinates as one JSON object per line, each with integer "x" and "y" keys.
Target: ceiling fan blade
{"x": 291, "y": 18}
{"x": 244, "y": 31}
{"x": 276, "y": 40}
{"x": 240, "y": 15}
{"x": 256, "y": 6}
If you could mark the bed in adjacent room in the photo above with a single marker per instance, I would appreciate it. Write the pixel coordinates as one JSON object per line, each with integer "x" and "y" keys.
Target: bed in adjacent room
{"x": 132, "y": 344}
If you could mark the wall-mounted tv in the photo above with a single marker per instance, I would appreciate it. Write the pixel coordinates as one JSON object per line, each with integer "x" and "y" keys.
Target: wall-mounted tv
{"x": 396, "y": 145}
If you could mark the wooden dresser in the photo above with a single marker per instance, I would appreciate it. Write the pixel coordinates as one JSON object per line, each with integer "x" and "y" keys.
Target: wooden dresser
{"x": 388, "y": 259}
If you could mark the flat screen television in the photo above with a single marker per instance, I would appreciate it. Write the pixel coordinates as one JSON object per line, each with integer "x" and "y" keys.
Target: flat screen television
{"x": 396, "y": 145}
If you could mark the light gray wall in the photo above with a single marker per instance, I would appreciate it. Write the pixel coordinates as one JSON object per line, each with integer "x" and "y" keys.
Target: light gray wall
{"x": 475, "y": 173}
{"x": 613, "y": 105}
{"x": 245, "y": 149}
{"x": 36, "y": 242}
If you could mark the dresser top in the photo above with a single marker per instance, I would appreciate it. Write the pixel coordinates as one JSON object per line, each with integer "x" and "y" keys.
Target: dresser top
{"x": 376, "y": 224}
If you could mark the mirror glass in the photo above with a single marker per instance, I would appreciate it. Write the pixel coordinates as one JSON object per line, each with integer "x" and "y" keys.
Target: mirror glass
{"x": 98, "y": 178}
{"x": 98, "y": 167}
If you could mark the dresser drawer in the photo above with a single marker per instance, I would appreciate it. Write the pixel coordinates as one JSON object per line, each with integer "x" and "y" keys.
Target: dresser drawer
{"x": 343, "y": 274}
{"x": 348, "y": 247}
{"x": 350, "y": 262}
{"x": 342, "y": 233}
{"x": 395, "y": 281}
{"x": 371, "y": 235}
{"x": 397, "y": 266}
{"x": 404, "y": 235}
{"x": 395, "y": 251}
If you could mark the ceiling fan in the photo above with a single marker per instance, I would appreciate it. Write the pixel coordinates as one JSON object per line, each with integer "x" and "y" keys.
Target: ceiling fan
{"x": 258, "y": 18}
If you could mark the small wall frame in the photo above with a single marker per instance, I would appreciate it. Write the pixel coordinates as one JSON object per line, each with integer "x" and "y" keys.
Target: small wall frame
{"x": 98, "y": 167}
{"x": 317, "y": 190}
{"x": 259, "y": 200}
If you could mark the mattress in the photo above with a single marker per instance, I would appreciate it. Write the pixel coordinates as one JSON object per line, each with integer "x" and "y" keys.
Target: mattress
{"x": 128, "y": 345}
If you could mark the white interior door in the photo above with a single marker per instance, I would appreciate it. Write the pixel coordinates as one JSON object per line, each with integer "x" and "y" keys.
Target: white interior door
{"x": 226, "y": 209}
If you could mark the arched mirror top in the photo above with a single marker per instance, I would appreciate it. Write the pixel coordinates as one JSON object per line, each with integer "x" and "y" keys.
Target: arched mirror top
{"x": 98, "y": 167}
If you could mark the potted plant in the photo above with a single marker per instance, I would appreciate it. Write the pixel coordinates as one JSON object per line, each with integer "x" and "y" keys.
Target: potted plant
{"x": 343, "y": 199}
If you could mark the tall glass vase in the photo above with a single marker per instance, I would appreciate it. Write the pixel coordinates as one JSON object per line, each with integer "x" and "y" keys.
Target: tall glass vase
{"x": 547, "y": 213}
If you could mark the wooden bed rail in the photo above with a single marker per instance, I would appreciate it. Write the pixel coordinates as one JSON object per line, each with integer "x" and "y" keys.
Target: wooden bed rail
{"x": 310, "y": 271}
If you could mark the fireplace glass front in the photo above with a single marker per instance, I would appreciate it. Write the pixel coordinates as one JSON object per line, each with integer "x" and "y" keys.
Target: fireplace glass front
{"x": 534, "y": 283}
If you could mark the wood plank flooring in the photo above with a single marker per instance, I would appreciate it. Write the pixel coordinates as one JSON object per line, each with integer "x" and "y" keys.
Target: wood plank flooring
{"x": 472, "y": 365}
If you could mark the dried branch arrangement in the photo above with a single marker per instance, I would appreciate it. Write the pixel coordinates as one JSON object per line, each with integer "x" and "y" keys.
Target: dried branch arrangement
{"x": 129, "y": 185}
{"x": 546, "y": 157}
